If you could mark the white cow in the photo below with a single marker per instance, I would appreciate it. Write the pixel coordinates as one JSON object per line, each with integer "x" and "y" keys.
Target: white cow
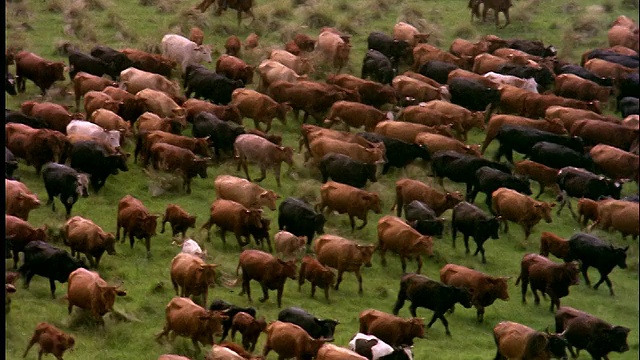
{"x": 82, "y": 128}
{"x": 524, "y": 84}
{"x": 271, "y": 71}
{"x": 378, "y": 347}
{"x": 190, "y": 246}
{"x": 184, "y": 51}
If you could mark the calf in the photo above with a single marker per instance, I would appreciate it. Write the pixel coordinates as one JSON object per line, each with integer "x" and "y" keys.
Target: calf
{"x": 87, "y": 290}
{"x": 251, "y": 148}
{"x": 399, "y": 237}
{"x": 299, "y": 217}
{"x": 134, "y": 218}
{"x": 192, "y": 275}
{"x": 84, "y": 236}
{"x": 581, "y": 183}
{"x": 221, "y": 134}
{"x": 234, "y": 68}
{"x": 391, "y": 329}
{"x": 290, "y": 341}
{"x": 422, "y": 218}
{"x": 230, "y": 311}
{"x": 209, "y": 85}
{"x": 51, "y": 341}
{"x": 317, "y": 274}
{"x": 377, "y": 66}
{"x": 268, "y": 270}
{"x": 517, "y": 341}
{"x": 84, "y": 82}
{"x": 230, "y": 215}
{"x": 249, "y": 327}
{"x": 63, "y": 181}
{"x": 179, "y": 219}
{"x": 521, "y": 209}
{"x": 348, "y": 199}
{"x": 316, "y": 328}
{"x": 288, "y": 245}
{"x": 259, "y": 107}
{"x": 472, "y": 221}
{"x": 388, "y": 46}
{"x": 554, "y": 244}
{"x": 430, "y": 294}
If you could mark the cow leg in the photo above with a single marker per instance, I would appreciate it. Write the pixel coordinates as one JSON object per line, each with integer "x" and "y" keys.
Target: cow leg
{"x": 353, "y": 223}
{"x": 364, "y": 222}
{"x": 403, "y": 262}
{"x": 466, "y": 244}
{"x": 359, "y": 277}
{"x": 541, "y": 190}
{"x": 175, "y": 286}
{"x": 263, "y": 173}
{"x": 339, "y": 280}
{"x": 454, "y": 233}
{"x": 419, "y": 260}
{"x": 480, "y": 248}
{"x": 480, "y": 314}
{"x": 444, "y": 322}
{"x": 383, "y": 253}
{"x": 604, "y": 278}
{"x": 16, "y": 258}
{"x": 326, "y": 293}
{"x": 265, "y": 293}
{"x": 584, "y": 273}
{"x": 525, "y": 285}
{"x": 506, "y": 15}
{"x": 68, "y": 207}
{"x": 131, "y": 240}
{"x": 52, "y": 287}
{"x": 536, "y": 298}
{"x": 313, "y": 290}
{"x": 487, "y": 200}
{"x": 276, "y": 172}
{"x": 527, "y": 231}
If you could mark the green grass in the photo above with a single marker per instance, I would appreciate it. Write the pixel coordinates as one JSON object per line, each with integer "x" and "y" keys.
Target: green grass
{"x": 130, "y": 24}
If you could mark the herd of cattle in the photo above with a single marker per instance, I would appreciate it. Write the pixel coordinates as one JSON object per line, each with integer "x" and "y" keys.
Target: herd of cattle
{"x": 544, "y": 108}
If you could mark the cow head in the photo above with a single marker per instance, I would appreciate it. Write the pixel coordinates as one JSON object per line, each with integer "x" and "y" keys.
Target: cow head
{"x": 620, "y": 256}
{"x": 200, "y": 166}
{"x": 500, "y": 287}
{"x": 463, "y": 296}
{"x": 56, "y": 69}
{"x": 148, "y": 223}
{"x": 211, "y": 323}
{"x": 288, "y": 269}
{"x": 415, "y": 328}
{"x": 253, "y": 218}
{"x": 328, "y": 326}
{"x": 202, "y": 53}
{"x": 202, "y": 147}
{"x": 107, "y": 295}
{"x": 27, "y": 201}
{"x": 372, "y": 201}
{"x": 616, "y": 337}
{"x": 82, "y": 185}
{"x": 423, "y": 245}
{"x": 489, "y": 227}
{"x": 109, "y": 243}
{"x": 543, "y": 209}
{"x": 452, "y": 199}
{"x": 366, "y": 253}
{"x": 268, "y": 198}
{"x": 207, "y": 273}
{"x": 286, "y": 154}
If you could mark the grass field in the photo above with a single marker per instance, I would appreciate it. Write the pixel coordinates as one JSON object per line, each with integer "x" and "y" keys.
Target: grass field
{"x": 41, "y": 27}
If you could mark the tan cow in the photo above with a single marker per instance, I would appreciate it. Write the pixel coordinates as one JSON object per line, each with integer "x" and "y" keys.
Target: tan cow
{"x": 290, "y": 341}
{"x": 244, "y": 192}
{"x": 409, "y": 87}
{"x": 333, "y": 352}
{"x": 150, "y": 121}
{"x": 84, "y": 82}
{"x": 19, "y": 233}
{"x": 544, "y": 175}
{"x": 408, "y": 33}
{"x": 317, "y": 274}
{"x": 188, "y": 319}
{"x": 622, "y": 215}
{"x": 425, "y": 52}
{"x": 615, "y": 163}
{"x": 254, "y": 149}
{"x": 554, "y": 244}
{"x": 595, "y": 132}
{"x": 391, "y": 329}
{"x": 608, "y": 69}
{"x": 497, "y": 121}
{"x": 408, "y": 190}
{"x": 135, "y": 80}
{"x": 161, "y": 104}
{"x": 487, "y": 44}
{"x": 289, "y": 246}
{"x": 437, "y": 142}
{"x": 224, "y": 112}
{"x": 396, "y": 235}
{"x": 19, "y": 200}
{"x": 371, "y": 92}
{"x": 87, "y": 290}
{"x": 587, "y": 210}
{"x": 109, "y": 120}
{"x": 266, "y": 269}
{"x": 199, "y": 146}
{"x": 178, "y": 160}
{"x": 192, "y": 275}
{"x": 521, "y": 209}
{"x": 334, "y": 48}
{"x": 567, "y": 115}
{"x": 466, "y": 74}
{"x": 230, "y": 215}
{"x": 517, "y": 341}
{"x": 343, "y": 255}
{"x": 350, "y": 200}
{"x": 259, "y": 107}
{"x": 575, "y": 87}
{"x": 355, "y": 114}
{"x": 271, "y": 71}
{"x": 407, "y": 132}
{"x": 56, "y": 116}
{"x": 485, "y": 289}
{"x": 419, "y": 114}
{"x": 301, "y": 65}
{"x": 51, "y": 341}
{"x": 310, "y": 132}
{"x": 459, "y": 115}
{"x": 622, "y": 35}
{"x": 324, "y": 145}
{"x": 179, "y": 219}
{"x": 249, "y": 327}
{"x": 234, "y": 68}
{"x": 136, "y": 220}
{"x": 485, "y": 63}
{"x": 84, "y": 236}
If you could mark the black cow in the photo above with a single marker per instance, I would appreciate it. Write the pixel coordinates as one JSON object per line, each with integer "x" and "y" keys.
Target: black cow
{"x": 299, "y": 218}
{"x": 398, "y": 153}
{"x": 430, "y": 294}
{"x": 602, "y": 53}
{"x": 92, "y": 158}
{"x": 208, "y": 85}
{"x": 543, "y": 76}
{"x": 10, "y": 84}
{"x": 621, "y": 59}
{"x": 343, "y": 169}
{"x": 462, "y": 169}
{"x": 592, "y": 251}
{"x": 114, "y": 58}
{"x": 473, "y": 95}
{"x": 312, "y": 325}
{"x": 628, "y": 86}
{"x": 12, "y": 116}
{"x": 65, "y": 182}
{"x": 437, "y": 70}
{"x": 532, "y": 47}
{"x": 522, "y": 139}
{"x": 41, "y": 258}
{"x": 390, "y": 47}
{"x": 422, "y": 218}
{"x": 581, "y": 183}
{"x": 378, "y": 67}
{"x": 10, "y": 164}
{"x": 79, "y": 61}
{"x": 585, "y": 331}
{"x": 585, "y": 74}
{"x": 629, "y": 106}
{"x": 470, "y": 220}
{"x": 222, "y": 134}
{"x": 488, "y": 180}
{"x": 230, "y": 310}
{"x": 558, "y": 156}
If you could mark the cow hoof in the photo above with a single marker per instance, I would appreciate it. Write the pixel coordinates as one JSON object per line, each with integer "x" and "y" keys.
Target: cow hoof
{"x": 262, "y": 299}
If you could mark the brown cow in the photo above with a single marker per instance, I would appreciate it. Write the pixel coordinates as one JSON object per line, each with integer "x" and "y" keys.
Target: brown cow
{"x": 19, "y": 200}
{"x": 311, "y": 132}
{"x": 42, "y": 72}
{"x": 271, "y": 71}
{"x": 408, "y": 190}
{"x": 552, "y": 243}
{"x": 595, "y": 132}
{"x": 418, "y": 76}
{"x": 249, "y": 327}
{"x": 619, "y": 214}
{"x": 266, "y": 269}
{"x": 135, "y": 80}
{"x": 487, "y": 44}
{"x": 321, "y": 146}
{"x": 497, "y": 121}
{"x": 244, "y": 192}
{"x": 391, "y": 329}
{"x": 288, "y": 245}
{"x": 224, "y": 112}
{"x": 230, "y": 215}
{"x": 408, "y": 33}
{"x": 131, "y": 107}
{"x": 304, "y": 42}
{"x": 437, "y": 142}
{"x": 459, "y": 115}
{"x": 290, "y": 341}
{"x": 425, "y": 52}
{"x": 254, "y": 149}
{"x": 343, "y": 255}
{"x": 192, "y": 275}
{"x": 615, "y": 163}
{"x": 301, "y": 65}
{"x": 408, "y": 87}
{"x": 371, "y": 92}
{"x": 135, "y": 220}
{"x": 109, "y": 120}
{"x": 56, "y": 116}
{"x": 19, "y": 233}
{"x": 333, "y": 352}
{"x": 259, "y": 107}
{"x": 485, "y": 289}
{"x": 587, "y": 210}
{"x": 153, "y": 63}
{"x": 199, "y": 146}
{"x": 396, "y": 235}
{"x": 234, "y": 68}
{"x": 544, "y": 175}
{"x": 521, "y": 209}
{"x": 317, "y": 274}
{"x": 179, "y": 219}
{"x": 622, "y": 35}
{"x": 608, "y": 69}
{"x": 484, "y": 63}
{"x": 196, "y": 35}
{"x": 291, "y": 47}
{"x": 419, "y": 114}
{"x": 150, "y": 121}
{"x": 466, "y": 74}
{"x": 314, "y": 99}
{"x": 84, "y": 236}
{"x": 36, "y": 146}
{"x": 355, "y": 114}
{"x": 575, "y": 87}
{"x": 334, "y": 48}
{"x": 173, "y": 159}
{"x": 161, "y": 104}
{"x": 548, "y": 277}
{"x": 94, "y": 100}
{"x": 87, "y": 290}
{"x": 251, "y": 42}
{"x": 232, "y": 46}
{"x": 407, "y": 132}
{"x": 84, "y": 82}
{"x": 348, "y": 199}
{"x": 188, "y": 319}
{"x": 517, "y": 341}
{"x": 567, "y": 115}
{"x": 536, "y": 104}
{"x": 51, "y": 341}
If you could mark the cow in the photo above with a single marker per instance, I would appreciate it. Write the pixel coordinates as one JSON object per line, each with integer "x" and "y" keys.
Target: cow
{"x": 437, "y": 70}
{"x": 465, "y": 118}
{"x": 199, "y": 146}
{"x": 333, "y": 352}
{"x": 234, "y": 68}
{"x": 519, "y": 208}
{"x": 84, "y": 236}
{"x": 489, "y": 180}
{"x": 135, "y": 80}
{"x": 592, "y": 251}
{"x": 19, "y": 200}
{"x": 543, "y": 76}
{"x": 343, "y": 255}
{"x": 290, "y": 340}
{"x": 517, "y": 341}
{"x": 408, "y": 33}
{"x": 587, "y": 210}
{"x": 54, "y": 115}
{"x": 196, "y": 35}
{"x": 315, "y": 327}
{"x": 620, "y": 35}
{"x": 10, "y": 84}
{"x": 299, "y": 217}
{"x": 370, "y": 92}
{"x": 221, "y": 134}
{"x": 304, "y": 42}
{"x": 615, "y": 163}
{"x": 192, "y": 275}
{"x": 378, "y": 67}
{"x": 116, "y": 59}
{"x": 310, "y": 133}
{"x": 348, "y": 199}
{"x": 585, "y": 331}
{"x": 628, "y": 106}
{"x": 230, "y": 215}
{"x": 584, "y": 74}
{"x": 430, "y": 294}
{"x": 619, "y": 214}
{"x": 92, "y": 158}
{"x": 316, "y": 273}
{"x": 19, "y": 117}
{"x": 407, "y": 132}
{"x": 259, "y": 107}
{"x": 581, "y": 183}
{"x": 188, "y": 319}
{"x": 230, "y": 311}
{"x": 323, "y": 145}
{"x": 409, "y": 87}
{"x": 522, "y": 138}
{"x": 84, "y": 82}
{"x": 94, "y": 100}
{"x": 496, "y": 123}
{"x": 397, "y": 152}
{"x": 249, "y": 327}
{"x": 391, "y": 329}
{"x": 554, "y": 244}
{"x": 313, "y": 98}
{"x": 567, "y": 115}
{"x": 289, "y": 246}
{"x": 472, "y": 221}
{"x": 110, "y": 121}
{"x": 484, "y": 289}
{"x": 425, "y": 52}
{"x": 301, "y": 65}
{"x": 251, "y": 148}
{"x": 437, "y": 142}
{"x": 231, "y": 46}
{"x": 244, "y": 192}
{"x": 271, "y": 71}
{"x": 422, "y": 218}
{"x": 408, "y": 190}
{"x": 209, "y": 85}
{"x": 136, "y": 221}
{"x": 604, "y": 68}
{"x": 230, "y": 351}
{"x": 10, "y": 164}
{"x": 79, "y": 61}
{"x": 373, "y": 348}
{"x": 154, "y": 63}
{"x": 354, "y": 114}
{"x": 396, "y": 235}
{"x": 161, "y": 104}
{"x": 179, "y": 220}
{"x": 528, "y": 84}
{"x": 268, "y": 270}
{"x": 344, "y": 169}
{"x": 173, "y": 159}
{"x": 51, "y": 340}
{"x": 548, "y": 277}
{"x": 544, "y": 175}
{"x": 393, "y": 49}
{"x": 184, "y": 51}
{"x": 42, "y": 72}
{"x": 532, "y": 47}
{"x": 224, "y": 112}
{"x": 19, "y": 233}
{"x": 573, "y": 86}
{"x": 149, "y": 121}
{"x": 87, "y": 290}
{"x": 334, "y": 48}
{"x": 65, "y": 182}
{"x": 558, "y": 156}
{"x": 79, "y": 130}
{"x": 131, "y": 107}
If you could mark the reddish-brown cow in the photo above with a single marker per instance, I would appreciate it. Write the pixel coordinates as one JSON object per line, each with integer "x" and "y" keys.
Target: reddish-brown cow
{"x": 234, "y": 68}
{"x": 84, "y": 236}
{"x": 544, "y": 175}
{"x": 554, "y": 244}
{"x": 233, "y": 216}
{"x": 192, "y": 275}
{"x": 348, "y": 199}
{"x": 259, "y": 107}
{"x": 42, "y": 72}
{"x": 19, "y": 233}
{"x": 521, "y": 209}
{"x": 179, "y": 219}
{"x": 249, "y": 327}
{"x": 84, "y": 82}
{"x": 135, "y": 220}
{"x": 317, "y": 274}
{"x": 408, "y": 190}
{"x": 396, "y": 235}
{"x": 266, "y": 269}
{"x": 87, "y": 290}
{"x": 19, "y": 200}
{"x": 391, "y": 329}
{"x": 51, "y": 341}
{"x": 290, "y": 341}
